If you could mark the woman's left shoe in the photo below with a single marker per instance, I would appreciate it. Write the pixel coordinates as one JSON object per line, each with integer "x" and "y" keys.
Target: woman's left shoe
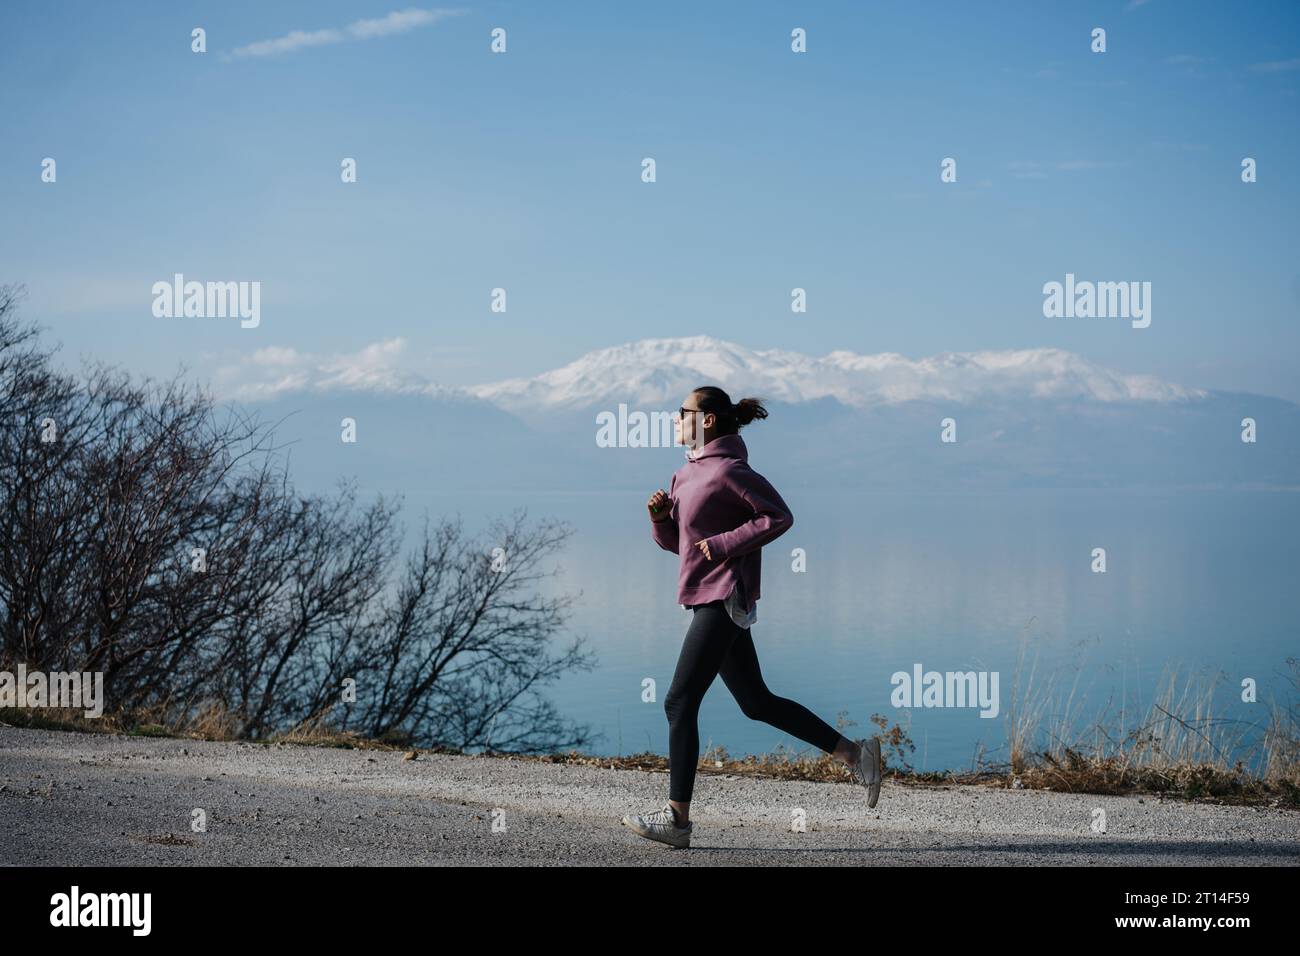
{"x": 869, "y": 770}
{"x": 661, "y": 825}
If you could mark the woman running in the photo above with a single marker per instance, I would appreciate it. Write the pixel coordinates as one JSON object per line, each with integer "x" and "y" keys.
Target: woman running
{"x": 717, "y": 515}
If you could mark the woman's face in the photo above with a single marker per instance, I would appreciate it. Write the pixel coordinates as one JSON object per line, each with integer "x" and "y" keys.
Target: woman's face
{"x": 691, "y": 426}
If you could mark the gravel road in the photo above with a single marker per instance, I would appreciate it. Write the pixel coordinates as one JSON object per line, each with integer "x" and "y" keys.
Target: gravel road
{"x": 92, "y": 799}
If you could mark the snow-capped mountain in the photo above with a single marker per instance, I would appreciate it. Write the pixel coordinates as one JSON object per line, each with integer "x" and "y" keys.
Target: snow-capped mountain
{"x": 1021, "y": 418}
{"x": 658, "y": 372}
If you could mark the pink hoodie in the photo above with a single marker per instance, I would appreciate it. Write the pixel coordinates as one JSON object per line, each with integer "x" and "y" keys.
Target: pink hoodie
{"x": 716, "y": 497}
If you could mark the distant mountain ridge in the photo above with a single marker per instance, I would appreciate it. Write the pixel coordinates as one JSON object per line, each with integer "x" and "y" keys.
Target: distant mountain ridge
{"x": 1028, "y": 418}
{"x": 659, "y": 371}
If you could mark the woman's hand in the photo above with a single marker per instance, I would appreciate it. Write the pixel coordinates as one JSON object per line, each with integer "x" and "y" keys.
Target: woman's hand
{"x": 704, "y": 546}
{"x": 658, "y": 506}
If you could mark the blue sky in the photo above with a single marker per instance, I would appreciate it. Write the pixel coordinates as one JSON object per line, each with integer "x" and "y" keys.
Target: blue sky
{"x": 775, "y": 170}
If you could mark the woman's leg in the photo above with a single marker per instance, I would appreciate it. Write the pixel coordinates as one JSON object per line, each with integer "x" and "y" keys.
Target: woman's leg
{"x": 708, "y": 639}
{"x": 741, "y": 674}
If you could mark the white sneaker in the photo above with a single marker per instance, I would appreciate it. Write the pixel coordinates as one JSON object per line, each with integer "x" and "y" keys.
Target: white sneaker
{"x": 661, "y": 825}
{"x": 869, "y": 770}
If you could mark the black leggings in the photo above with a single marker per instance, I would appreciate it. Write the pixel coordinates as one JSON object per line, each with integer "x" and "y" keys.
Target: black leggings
{"x": 715, "y": 644}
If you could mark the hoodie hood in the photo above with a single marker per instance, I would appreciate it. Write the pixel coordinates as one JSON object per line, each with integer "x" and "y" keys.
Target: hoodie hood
{"x": 724, "y": 446}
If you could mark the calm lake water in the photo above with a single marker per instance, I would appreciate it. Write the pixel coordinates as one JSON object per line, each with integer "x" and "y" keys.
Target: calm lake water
{"x": 1202, "y": 581}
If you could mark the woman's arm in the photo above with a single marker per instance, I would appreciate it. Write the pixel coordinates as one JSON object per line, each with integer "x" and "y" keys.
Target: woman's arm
{"x": 664, "y": 530}
{"x": 772, "y": 518}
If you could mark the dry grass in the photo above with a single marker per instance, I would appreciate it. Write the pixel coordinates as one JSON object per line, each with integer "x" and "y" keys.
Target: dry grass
{"x": 210, "y": 722}
{"x": 1180, "y": 745}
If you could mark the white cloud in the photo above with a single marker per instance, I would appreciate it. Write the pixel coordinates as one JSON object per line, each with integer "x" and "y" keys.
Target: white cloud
{"x": 1277, "y": 66}
{"x": 275, "y": 370}
{"x": 399, "y": 21}
{"x": 276, "y": 355}
{"x": 294, "y": 40}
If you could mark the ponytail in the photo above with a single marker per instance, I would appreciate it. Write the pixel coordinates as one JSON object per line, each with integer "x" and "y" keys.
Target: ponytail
{"x": 731, "y": 418}
{"x": 748, "y": 409}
